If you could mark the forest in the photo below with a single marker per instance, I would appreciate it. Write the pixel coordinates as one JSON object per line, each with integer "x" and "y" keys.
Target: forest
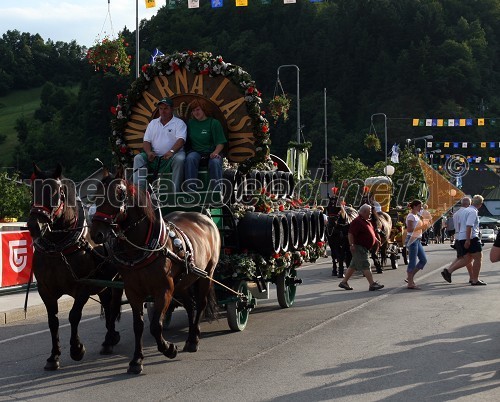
{"x": 404, "y": 58}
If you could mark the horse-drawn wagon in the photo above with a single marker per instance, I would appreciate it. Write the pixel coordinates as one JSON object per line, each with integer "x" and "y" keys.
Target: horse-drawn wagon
{"x": 170, "y": 248}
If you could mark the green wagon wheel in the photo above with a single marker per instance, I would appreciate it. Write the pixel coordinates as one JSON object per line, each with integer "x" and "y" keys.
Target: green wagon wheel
{"x": 237, "y": 312}
{"x": 150, "y": 306}
{"x": 286, "y": 287}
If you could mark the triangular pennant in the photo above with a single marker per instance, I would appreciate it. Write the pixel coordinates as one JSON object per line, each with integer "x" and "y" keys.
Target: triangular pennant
{"x": 217, "y": 3}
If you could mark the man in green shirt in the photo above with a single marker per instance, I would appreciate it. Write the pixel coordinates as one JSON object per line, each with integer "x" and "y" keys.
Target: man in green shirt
{"x": 207, "y": 140}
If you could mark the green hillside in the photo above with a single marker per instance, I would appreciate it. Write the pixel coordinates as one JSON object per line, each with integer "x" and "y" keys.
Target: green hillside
{"x": 13, "y": 106}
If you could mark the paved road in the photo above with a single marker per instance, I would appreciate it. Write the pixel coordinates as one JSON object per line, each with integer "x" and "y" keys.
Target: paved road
{"x": 439, "y": 344}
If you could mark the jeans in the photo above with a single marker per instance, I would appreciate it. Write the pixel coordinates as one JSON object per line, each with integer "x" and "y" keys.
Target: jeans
{"x": 415, "y": 250}
{"x": 192, "y": 163}
{"x": 141, "y": 166}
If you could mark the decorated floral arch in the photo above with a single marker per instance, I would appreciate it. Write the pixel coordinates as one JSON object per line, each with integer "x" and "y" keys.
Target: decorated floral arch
{"x": 183, "y": 76}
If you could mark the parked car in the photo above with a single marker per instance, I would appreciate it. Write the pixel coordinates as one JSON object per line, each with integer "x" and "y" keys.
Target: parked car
{"x": 487, "y": 235}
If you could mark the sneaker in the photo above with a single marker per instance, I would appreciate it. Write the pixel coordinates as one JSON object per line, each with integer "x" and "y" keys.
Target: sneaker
{"x": 479, "y": 283}
{"x": 375, "y": 286}
{"x": 344, "y": 286}
{"x": 446, "y": 275}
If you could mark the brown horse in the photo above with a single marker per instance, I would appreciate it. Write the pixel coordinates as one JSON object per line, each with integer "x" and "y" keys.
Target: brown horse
{"x": 156, "y": 258}
{"x": 64, "y": 258}
{"x": 339, "y": 218}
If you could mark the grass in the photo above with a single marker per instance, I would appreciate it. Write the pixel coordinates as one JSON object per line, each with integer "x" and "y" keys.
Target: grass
{"x": 13, "y": 106}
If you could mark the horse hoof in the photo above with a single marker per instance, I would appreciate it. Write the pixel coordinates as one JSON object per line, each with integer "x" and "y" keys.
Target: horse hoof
{"x": 340, "y": 276}
{"x": 190, "y": 347}
{"x": 77, "y": 353}
{"x": 171, "y": 352}
{"x": 135, "y": 368}
{"x": 106, "y": 350}
{"x": 334, "y": 273}
{"x": 52, "y": 365}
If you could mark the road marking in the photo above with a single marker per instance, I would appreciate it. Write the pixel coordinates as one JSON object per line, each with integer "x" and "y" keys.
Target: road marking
{"x": 15, "y": 338}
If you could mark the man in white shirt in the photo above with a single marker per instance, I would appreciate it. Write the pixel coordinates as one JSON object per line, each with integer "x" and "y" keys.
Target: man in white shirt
{"x": 463, "y": 259}
{"x": 469, "y": 240}
{"x": 163, "y": 146}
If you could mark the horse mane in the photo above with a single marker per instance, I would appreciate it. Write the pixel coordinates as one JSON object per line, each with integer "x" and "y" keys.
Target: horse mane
{"x": 142, "y": 200}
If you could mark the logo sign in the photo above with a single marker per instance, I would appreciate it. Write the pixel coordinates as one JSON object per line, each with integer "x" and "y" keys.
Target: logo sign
{"x": 16, "y": 258}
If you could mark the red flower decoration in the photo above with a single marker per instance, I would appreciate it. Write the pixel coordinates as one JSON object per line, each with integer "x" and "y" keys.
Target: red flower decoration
{"x": 145, "y": 67}
{"x": 281, "y": 208}
{"x": 320, "y": 244}
{"x": 265, "y": 129}
{"x": 303, "y": 253}
{"x": 276, "y": 256}
{"x": 335, "y": 190}
{"x": 113, "y": 110}
{"x": 227, "y": 251}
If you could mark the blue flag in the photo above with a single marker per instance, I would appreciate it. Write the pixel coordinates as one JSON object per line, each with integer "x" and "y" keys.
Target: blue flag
{"x": 155, "y": 54}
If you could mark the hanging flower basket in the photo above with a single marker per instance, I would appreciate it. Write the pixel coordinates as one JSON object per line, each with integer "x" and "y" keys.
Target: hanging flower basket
{"x": 279, "y": 107}
{"x": 372, "y": 141}
{"x": 108, "y": 53}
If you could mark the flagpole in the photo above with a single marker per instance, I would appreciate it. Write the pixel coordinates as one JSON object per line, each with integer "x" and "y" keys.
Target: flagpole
{"x": 136, "y": 38}
{"x": 326, "y": 139}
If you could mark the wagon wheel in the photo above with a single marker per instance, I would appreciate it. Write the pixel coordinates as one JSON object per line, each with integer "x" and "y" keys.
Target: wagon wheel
{"x": 286, "y": 286}
{"x": 238, "y": 311}
{"x": 150, "y": 306}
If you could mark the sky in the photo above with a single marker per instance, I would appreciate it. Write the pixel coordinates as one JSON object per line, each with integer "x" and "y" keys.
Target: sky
{"x": 67, "y": 20}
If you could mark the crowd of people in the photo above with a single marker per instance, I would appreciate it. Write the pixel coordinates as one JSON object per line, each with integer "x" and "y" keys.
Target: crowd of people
{"x": 172, "y": 146}
{"x": 462, "y": 228}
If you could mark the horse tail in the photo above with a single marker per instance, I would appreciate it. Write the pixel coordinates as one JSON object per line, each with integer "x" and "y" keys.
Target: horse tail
{"x": 211, "y": 310}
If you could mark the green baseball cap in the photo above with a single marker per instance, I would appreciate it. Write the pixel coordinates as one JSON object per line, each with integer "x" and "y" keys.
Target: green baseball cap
{"x": 166, "y": 101}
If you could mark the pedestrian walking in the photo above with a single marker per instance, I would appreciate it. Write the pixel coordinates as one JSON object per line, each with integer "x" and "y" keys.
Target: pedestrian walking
{"x": 362, "y": 239}
{"x": 416, "y": 223}
{"x": 471, "y": 245}
{"x": 463, "y": 259}
{"x": 495, "y": 250}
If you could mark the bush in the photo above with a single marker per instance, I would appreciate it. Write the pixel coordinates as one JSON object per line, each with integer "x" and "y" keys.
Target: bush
{"x": 15, "y": 199}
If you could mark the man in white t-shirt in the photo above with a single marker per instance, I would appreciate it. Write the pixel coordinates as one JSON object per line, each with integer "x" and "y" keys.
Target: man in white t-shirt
{"x": 163, "y": 146}
{"x": 470, "y": 243}
{"x": 463, "y": 259}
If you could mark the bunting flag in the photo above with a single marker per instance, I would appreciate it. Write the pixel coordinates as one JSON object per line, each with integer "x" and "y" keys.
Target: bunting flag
{"x": 241, "y": 3}
{"x": 150, "y": 3}
{"x": 461, "y": 122}
{"x": 265, "y": 2}
{"x": 193, "y": 3}
{"x": 217, "y": 3}
{"x": 171, "y": 4}
{"x": 289, "y": 1}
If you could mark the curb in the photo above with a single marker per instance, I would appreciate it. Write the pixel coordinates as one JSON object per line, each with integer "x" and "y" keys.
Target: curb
{"x": 8, "y": 317}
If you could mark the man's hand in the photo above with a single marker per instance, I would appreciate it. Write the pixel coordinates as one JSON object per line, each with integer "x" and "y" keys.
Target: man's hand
{"x": 151, "y": 156}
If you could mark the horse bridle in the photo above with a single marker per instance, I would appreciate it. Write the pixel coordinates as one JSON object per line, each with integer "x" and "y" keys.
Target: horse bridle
{"x": 114, "y": 219}
{"x": 55, "y": 212}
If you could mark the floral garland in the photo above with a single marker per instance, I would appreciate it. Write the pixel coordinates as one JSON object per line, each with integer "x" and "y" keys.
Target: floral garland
{"x": 245, "y": 265}
{"x": 197, "y": 63}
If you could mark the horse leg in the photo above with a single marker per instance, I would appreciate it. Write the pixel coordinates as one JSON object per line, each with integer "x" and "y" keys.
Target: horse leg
{"x": 202, "y": 288}
{"x": 376, "y": 262}
{"x": 53, "y": 321}
{"x": 135, "y": 365}
{"x": 77, "y": 349}
{"x": 111, "y": 302}
{"x": 331, "y": 243}
{"x": 161, "y": 304}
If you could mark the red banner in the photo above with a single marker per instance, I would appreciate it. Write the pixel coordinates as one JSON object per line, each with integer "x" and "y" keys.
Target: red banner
{"x": 16, "y": 258}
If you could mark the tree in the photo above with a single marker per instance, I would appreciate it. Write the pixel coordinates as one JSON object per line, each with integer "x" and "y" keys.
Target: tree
{"x": 15, "y": 200}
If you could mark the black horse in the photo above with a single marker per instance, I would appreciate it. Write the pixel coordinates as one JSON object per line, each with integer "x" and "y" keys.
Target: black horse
{"x": 65, "y": 259}
{"x": 339, "y": 218}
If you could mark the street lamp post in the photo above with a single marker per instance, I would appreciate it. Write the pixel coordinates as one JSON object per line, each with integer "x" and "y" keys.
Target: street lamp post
{"x": 298, "y": 95}
{"x": 425, "y": 137}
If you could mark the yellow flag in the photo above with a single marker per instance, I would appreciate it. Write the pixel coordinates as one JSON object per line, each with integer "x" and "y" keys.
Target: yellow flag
{"x": 440, "y": 122}
{"x": 480, "y": 122}
{"x": 415, "y": 122}
{"x": 446, "y": 144}
{"x": 462, "y": 122}
{"x": 150, "y": 3}
{"x": 241, "y": 3}
{"x": 483, "y": 145}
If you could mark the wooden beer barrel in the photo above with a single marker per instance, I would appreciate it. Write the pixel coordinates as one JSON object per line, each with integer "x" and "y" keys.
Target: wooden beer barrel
{"x": 261, "y": 232}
